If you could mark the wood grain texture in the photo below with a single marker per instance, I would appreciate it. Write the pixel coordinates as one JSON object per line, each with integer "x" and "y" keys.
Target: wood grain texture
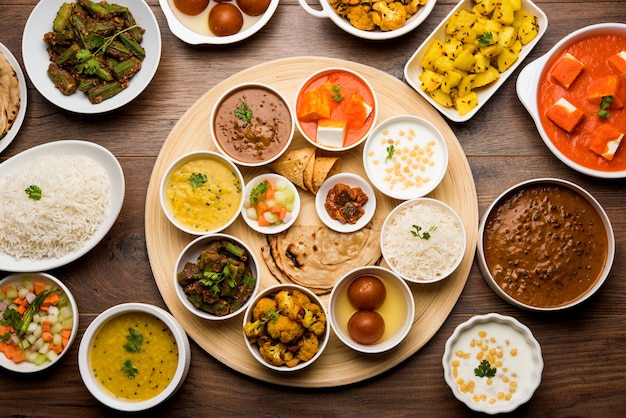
{"x": 224, "y": 339}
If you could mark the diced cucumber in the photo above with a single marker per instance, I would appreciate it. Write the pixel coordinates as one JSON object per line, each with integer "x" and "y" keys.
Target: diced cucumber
{"x": 40, "y": 359}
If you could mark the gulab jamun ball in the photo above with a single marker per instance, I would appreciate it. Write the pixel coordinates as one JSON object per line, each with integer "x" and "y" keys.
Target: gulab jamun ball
{"x": 366, "y": 327}
{"x": 367, "y": 292}
{"x": 225, "y": 19}
{"x": 191, "y": 7}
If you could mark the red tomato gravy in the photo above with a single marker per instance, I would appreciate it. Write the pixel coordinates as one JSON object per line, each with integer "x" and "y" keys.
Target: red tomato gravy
{"x": 350, "y": 84}
{"x": 593, "y": 52}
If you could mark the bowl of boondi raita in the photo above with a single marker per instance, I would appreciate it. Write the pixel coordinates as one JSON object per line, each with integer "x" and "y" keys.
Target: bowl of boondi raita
{"x": 133, "y": 357}
{"x": 202, "y": 192}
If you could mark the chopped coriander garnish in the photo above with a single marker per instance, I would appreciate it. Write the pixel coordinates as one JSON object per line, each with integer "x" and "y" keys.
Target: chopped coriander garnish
{"x": 34, "y": 192}
{"x": 422, "y": 235}
{"x": 129, "y": 369}
{"x": 336, "y": 89}
{"x": 485, "y": 39}
{"x": 390, "y": 150}
{"x": 86, "y": 61}
{"x": 484, "y": 369}
{"x": 243, "y": 112}
{"x": 605, "y": 104}
{"x": 197, "y": 179}
{"x": 134, "y": 339}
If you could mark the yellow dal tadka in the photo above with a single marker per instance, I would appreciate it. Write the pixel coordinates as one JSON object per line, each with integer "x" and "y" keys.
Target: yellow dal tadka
{"x": 204, "y": 194}
{"x": 154, "y": 363}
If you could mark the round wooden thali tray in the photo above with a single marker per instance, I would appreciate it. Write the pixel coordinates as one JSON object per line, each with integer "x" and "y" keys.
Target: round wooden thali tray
{"x": 338, "y": 365}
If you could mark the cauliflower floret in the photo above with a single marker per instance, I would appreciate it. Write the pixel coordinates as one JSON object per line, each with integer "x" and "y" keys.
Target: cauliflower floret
{"x": 254, "y": 330}
{"x": 412, "y": 6}
{"x": 390, "y": 16}
{"x": 361, "y": 17}
{"x": 308, "y": 348}
{"x": 276, "y": 354}
{"x": 313, "y": 318}
{"x": 284, "y": 329}
{"x": 290, "y": 302}
{"x": 263, "y": 306}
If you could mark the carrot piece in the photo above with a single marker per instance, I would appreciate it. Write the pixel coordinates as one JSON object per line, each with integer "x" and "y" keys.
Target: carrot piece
{"x": 282, "y": 213}
{"x": 270, "y": 193}
{"x": 4, "y": 329}
{"x": 45, "y": 326}
{"x": 3, "y": 347}
{"x": 6, "y": 288}
{"x": 39, "y": 287}
{"x": 21, "y": 309}
{"x": 47, "y": 336}
{"x": 261, "y": 207}
{"x": 56, "y": 348}
{"x": 262, "y": 221}
{"x": 18, "y": 300}
{"x": 17, "y": 356}
{"x": 275, "y": 209}
{"x": 51, "y": 299}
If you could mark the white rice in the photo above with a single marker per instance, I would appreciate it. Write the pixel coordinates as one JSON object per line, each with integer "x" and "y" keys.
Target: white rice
{"x": 76, "y": 200}
{"x": 417, "y": 259}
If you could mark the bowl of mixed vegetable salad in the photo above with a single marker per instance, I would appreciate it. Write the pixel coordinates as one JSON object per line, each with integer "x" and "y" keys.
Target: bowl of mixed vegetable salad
{"x": 271, "y": 203}
{"x": 38, "y": 321}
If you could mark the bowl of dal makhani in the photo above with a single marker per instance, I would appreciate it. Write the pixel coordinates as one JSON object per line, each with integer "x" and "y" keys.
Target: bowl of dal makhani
{"x": 423, "y": 240}
{"x": 252, "y": 124}
{"x": 202, "y": 192}
{"x": 133, "y": 357}
{"x": 545, "y": 245}
{"x": 216, "y": 276}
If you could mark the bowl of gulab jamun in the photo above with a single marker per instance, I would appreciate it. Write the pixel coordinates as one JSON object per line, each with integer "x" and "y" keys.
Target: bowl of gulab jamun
{"x": 371, "y": 309}
{"x": 216, "y": 22}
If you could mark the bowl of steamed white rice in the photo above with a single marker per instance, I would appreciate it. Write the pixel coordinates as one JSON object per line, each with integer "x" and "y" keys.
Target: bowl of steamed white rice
{"x": 423, "y": 240}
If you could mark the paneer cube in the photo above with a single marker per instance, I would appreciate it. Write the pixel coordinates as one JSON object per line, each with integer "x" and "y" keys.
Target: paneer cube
{"x": 331, "y": 133}
{"x": 357, "y": 111}
{"x": 607, "y": 141}
{"x": 610, "y": 85}
{"x": 315, "y": 105}
{"x": 565, "y": 115}
{"x": 566, "y": 70}
{"x": 618, "y": 62}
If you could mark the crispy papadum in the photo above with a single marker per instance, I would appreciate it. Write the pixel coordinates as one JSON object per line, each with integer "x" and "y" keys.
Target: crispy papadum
{"x": 9, "y": 95}
{"x": 324, "y": 167}
{"x": 305, "y": 168}
{"x": 316, "y": 256}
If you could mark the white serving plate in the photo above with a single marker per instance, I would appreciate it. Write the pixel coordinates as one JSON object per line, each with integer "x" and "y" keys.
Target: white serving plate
{"x": 251, "y": 25}
{"x": 36, "y": 59}
{"x": 327, "y": 11}
{"x": 531, "y": 369}
{"x": 351, "y": 180}
{"x": 6, "y": 140}
{"x": 116, "y": 177}
{"x": 528, "y": 83}
{"x": 413, "y": 69}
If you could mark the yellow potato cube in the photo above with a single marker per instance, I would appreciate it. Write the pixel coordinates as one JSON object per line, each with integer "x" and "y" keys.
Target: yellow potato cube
{"x": 487, "y": 77}
{"x": 443, "y": 64}
{"x": 481, "y": 64}
{"x": 430, "y": 80}
{"x": 491, "y": 51}
{"x": 441, "y": 97}
{"x": 466, "y": 85}
{"x": 528, "y": 29}
{"x": 465, "y": 61}
{"x": 508, "y": 36}
{"x": 506, "y": 58}
{"x": 467, "y": 36}
{"x": 453, "y": 48}
{"x": 485, "y": 7}
{"x": 432, "y": 54}
{"x": 466, "y": 103}
{"x": 450, "y": 80}
{"x": 464, "y": 20}
{"x": 504, "y": 13}
{"x": 515, "y": 4}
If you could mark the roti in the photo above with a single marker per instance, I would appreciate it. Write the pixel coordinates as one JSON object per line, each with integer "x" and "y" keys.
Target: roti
{"x": 9, "y": 95}
{"x": 316, "y": 257}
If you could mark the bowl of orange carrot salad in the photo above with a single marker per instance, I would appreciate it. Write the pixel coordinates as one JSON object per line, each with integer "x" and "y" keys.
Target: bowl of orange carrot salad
{"x": 38, "y": 321}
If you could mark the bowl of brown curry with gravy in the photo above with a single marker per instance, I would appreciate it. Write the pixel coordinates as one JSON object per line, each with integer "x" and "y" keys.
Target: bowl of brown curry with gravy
{"x": 252, "y": 124}
{"x": 545, "y": 245}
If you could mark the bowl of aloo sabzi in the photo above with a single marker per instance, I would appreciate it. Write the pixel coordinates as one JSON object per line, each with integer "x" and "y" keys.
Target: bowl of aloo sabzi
{"x": 472, "y": 52}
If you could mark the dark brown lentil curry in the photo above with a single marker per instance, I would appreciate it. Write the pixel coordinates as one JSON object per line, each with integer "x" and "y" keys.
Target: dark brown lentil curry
{"x": 545, "y": 245}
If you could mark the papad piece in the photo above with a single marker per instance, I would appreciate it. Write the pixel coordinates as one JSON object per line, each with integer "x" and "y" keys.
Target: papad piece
{"x": 292, "y": 163}
{"x": 316, "y": 257}
{"x": 309, "y": 171}
{"x": 324, "y": 167}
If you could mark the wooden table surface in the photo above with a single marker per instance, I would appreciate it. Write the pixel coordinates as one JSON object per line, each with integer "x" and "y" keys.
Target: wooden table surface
{"x": 583, "y": 349}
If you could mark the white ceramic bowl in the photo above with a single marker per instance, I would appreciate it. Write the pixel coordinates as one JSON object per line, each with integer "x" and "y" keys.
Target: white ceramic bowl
{"x": 327, "y": 11}
{"x": 558, "y": 248}
{"x": 190, "y": 157}
{"x": 398, "y": 309}
{"x": 106, "y": 397}
{"x": 36, "y": 58}
{"x": 26, "y": 281}
{"x": 528, "y": 84}
{"x": 413, "y": 70}
{"x": 235, "y": 92}
{"x": 195, "y": 30}
{"x": 353, "y": 181}
{"x": 191, "y": 253}
{"x": 418, "y": 162}
{"x": 312, "y": 81}
{"x": 292, "y": 215}
{"x": 270, "y": 292}
{"x": 423, "y": 229}
{"x": 523, "y": 367}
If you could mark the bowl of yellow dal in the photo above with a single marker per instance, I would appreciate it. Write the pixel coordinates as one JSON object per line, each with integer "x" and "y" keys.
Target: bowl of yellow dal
{"x": 133, "y": 357}
{"x": 202, "y": 192}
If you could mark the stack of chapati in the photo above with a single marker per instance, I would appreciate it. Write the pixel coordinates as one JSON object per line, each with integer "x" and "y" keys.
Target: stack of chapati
{"x": 306, "y": 168}
{"x": 9, "y": 95}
